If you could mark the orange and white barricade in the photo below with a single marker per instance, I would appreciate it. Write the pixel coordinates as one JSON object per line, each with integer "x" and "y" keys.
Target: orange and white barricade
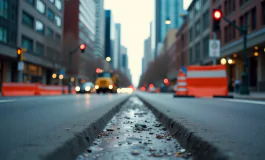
{"x": 181, "y": 84}
{"x": 49, "y": 90}
{"x": 207, "y": 81}
{"x": 18, "y": 89}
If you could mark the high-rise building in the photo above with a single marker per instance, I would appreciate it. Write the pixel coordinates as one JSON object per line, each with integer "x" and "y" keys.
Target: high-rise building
{"x": 37, "y": 27}
{"x": 147, "y": 52}
{"x": 100, "y": 29}
{"x": 167, "y": 9}
{"x": 117, "y": 47}
{"x": 143, "y": 69}
{"x": 79, "y": 27}
{"x": 109, "y": 36}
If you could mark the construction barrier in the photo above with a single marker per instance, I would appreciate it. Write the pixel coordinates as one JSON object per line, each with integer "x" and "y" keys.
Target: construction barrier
{"x": 18, "y": 89}
{"x": 49, "y": 90}
{"x": 207, "y": 81}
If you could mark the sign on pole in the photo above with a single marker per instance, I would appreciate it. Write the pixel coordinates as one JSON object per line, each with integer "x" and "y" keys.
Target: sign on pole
{"x": 214, "y": 48}
{"x": 20, "y": 66}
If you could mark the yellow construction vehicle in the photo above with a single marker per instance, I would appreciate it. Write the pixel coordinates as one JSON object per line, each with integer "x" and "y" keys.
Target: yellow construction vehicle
{"x": 107, "y": 82}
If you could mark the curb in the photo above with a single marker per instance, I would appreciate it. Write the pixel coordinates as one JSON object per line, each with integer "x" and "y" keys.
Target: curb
{"x": 183, "y": 96}
{"x": 200, "y": 148}
{"x": 229, "y": 96}
{"x": 76, "y": 145}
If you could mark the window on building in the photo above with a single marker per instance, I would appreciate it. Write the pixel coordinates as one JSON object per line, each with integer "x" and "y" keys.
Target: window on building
{"x": 58, "y": 4}
{"x": 233, "y": 29}
{"x": 190, "y": 55}
{"x": 263, "y": 12}
{"x": 206, "y": 20}
{"x": 32, "y": 2}
{"x": 190, "y": 35}
{"x": 14, "y": 13}
{"x": 206, "y": 46}
{"x": 3, "y": 34}
{"x": 197, "y": 52}
{"x": 39, "y": 48}
{"x": 226, "y": 34}
{"x": 57, "y": 36}
{"x": 197, "y": 6}
{"x": 253, "y": 18}
{"x": 197, "y": 28}
{"x": 226, "y": 8}
{"x": 4, "y": 8}
{"x": 58, "y": 21}
{"x": 27, "y": 20}
{"x": 241, "y": 22}
{"x": 39, "y": 27}
{"x": 41, "y": 6}
{"x": 49, "y": 32}
{"x": 50, "y": 15}
{"x": 27, "y": 43}
{"x": 247, "y": 21}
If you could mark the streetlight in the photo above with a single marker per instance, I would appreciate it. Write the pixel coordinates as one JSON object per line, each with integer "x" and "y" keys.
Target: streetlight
{"x": 61, "y": 76}
{"x": 54, "y": 75}
{"x": 168, "y": 21}
{"x": 108, "y": 59}
{"x": 223, "y": 61}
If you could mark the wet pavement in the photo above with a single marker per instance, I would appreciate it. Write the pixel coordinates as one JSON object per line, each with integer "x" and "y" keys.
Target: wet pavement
{"x": 134, "y": 133}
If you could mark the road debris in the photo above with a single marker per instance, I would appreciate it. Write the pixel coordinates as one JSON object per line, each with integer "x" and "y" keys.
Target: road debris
{"x": 135, "y": 133}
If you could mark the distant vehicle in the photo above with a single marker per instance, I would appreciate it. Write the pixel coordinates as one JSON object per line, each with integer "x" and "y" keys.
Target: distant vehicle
{"x": 86, "y": 87}
{"x": 107, "y": 82}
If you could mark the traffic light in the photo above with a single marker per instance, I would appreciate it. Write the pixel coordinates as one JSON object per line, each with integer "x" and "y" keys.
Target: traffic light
{"x": 19, "y": 54}
{"x": 165, "y": 80}
{"x": 98, "y": 70}
{"x": 82, "y": 48}
{"x": 217, "y": 16}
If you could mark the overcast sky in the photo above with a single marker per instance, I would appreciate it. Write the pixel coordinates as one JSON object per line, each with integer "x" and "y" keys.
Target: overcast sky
{"x": 135, "y": 17}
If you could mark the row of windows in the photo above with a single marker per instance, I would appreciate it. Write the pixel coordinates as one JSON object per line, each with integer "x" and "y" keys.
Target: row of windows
{"x": 229, "y": 6}
{"x": 4, "y": 8}
{"x": 41, "y": 7}
{"x": 195, "y": 52}
{"x": 28, "y": 43}
{"x": 198, "y": 28}
{"x": 3, "y": 34}
{"x": 28, "y": 20}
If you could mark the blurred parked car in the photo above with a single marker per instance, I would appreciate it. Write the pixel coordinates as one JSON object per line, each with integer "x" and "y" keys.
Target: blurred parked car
{"x": 87, "y": 87}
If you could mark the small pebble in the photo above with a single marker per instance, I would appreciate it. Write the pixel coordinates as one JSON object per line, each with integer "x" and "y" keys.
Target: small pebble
{"x": 135, "y": 152}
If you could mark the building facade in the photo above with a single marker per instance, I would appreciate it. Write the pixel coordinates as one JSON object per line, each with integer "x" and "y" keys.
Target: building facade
{"x": 199, "y": 31}
{"x": 36, "y": 26}
{"x": 100, "y": 29}
{"x": 109, "y": 36}
{"x": 250, "y": 14}
{"x": 182, "y": 40}
{"x": 143, "y": 65}
{"x": 79, "y": 27}
{"x": 167, "y": 9}
{"x": 147, "y": 52}
{"x": 117, "y": 48}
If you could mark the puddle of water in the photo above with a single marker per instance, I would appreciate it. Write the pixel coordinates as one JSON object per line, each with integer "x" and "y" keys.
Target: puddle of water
{"x": 147, "y": 140}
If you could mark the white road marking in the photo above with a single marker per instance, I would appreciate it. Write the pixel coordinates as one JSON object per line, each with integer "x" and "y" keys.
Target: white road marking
{"x": 245, "y": 101}
{"x": 8, "y": 100}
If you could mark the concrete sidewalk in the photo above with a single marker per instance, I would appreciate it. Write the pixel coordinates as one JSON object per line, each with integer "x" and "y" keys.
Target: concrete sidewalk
{"x": 251, "y": 96}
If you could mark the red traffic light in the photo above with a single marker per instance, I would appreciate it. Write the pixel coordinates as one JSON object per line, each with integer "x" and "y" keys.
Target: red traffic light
{"x": 82, "y": 46}
{"x": 151, "y": 85}
{"x": 217, "y": 14}
{"x": 98, "y": 70}
{"x": 165, "y": 80}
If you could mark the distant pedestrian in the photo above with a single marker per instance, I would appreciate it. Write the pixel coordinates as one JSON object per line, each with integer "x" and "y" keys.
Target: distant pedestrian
{"x": 237, "y": 85}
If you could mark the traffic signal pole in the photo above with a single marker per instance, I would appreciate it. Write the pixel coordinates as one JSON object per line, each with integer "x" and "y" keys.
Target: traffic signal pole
{"x": 82, "y": 47}
{"x": 214, "y": 38}
{"x": 244, "y": 85}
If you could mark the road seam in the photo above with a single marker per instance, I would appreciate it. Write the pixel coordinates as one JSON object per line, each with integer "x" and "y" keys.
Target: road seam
{"x": 200, "y": 148}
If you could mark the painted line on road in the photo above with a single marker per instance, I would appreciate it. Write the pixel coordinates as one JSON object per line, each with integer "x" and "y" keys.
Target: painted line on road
{"x": 8, "y": 100}
{"x": 244, "y": 101}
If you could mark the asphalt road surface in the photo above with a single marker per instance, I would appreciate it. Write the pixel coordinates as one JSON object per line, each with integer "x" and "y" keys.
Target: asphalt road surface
{"x": 235, "y": 126}
{"x": 25, "y": 121}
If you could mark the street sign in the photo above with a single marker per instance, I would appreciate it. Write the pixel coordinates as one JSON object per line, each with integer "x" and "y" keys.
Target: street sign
{"x": 62, "y": 72}
{"x": 20, "y": 66}
{"x": 214, "y": 48}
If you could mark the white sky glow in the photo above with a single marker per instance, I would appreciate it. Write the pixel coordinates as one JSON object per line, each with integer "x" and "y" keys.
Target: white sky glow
{"x": 135, "y": 17}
